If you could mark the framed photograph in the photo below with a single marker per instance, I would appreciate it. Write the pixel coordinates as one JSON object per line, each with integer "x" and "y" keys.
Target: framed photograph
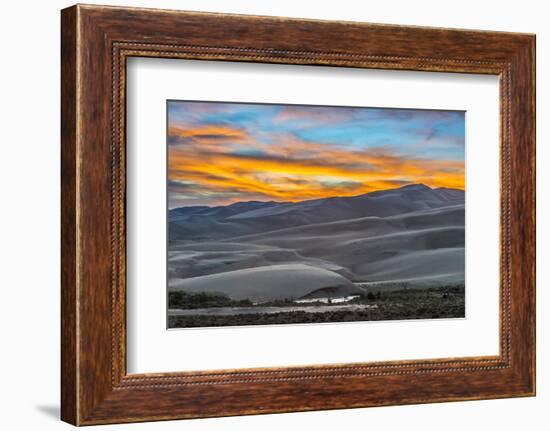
{"x": 284, "y": 214}
{"x": 265, "y": 215}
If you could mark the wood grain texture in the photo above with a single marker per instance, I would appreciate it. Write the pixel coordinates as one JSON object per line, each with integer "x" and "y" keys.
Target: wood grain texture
{"x": 69, "y": 396}
{"x": 96, "y": 41}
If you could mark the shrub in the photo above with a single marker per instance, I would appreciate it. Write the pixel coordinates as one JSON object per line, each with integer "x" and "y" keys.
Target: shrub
{"x": 187, "y": 300}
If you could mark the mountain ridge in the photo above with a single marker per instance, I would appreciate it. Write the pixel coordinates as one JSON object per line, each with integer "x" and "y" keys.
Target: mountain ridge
{"x": 417, "y": 186}
{"x": 250, "y": 217}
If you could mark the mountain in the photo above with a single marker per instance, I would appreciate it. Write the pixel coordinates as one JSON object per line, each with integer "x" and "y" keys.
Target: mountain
{"x": 245, "y": 218}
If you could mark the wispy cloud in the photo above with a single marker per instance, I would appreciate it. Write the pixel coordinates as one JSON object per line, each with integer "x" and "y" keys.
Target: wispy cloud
{"x": 221, "y": 153}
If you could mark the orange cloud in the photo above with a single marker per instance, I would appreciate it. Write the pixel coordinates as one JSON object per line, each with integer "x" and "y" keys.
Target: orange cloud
{"x": 292, "y": 170}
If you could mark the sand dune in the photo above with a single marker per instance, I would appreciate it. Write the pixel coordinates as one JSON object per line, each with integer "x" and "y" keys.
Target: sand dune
{"x": 268, "y": 283}
{"x": 424, "y": 264}
{"x": 409, "y": 235}
{"x": 358, "y": 249}
{"x": 188, "y": 263}
{"x": 367, "y": 226}
{"x": 243, "y": 218}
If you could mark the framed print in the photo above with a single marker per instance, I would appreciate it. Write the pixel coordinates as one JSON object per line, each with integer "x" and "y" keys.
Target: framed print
{"x": 261, "y": 217}
{"x": 266, "y": 231}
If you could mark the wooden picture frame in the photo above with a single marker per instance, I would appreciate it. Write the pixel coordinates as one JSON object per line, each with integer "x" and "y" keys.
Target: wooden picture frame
{"x": 95, "y": 43}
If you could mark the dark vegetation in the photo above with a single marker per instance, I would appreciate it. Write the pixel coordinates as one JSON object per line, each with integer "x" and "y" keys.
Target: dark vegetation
{"x": 193, "y": 301}
{"x": 430, "y": 303}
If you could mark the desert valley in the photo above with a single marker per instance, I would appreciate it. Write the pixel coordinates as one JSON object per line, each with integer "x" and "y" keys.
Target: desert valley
{"x": 385, "y": 255}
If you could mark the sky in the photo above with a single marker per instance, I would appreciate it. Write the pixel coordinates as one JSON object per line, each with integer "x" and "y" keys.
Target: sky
{"x": 222, "y": 153}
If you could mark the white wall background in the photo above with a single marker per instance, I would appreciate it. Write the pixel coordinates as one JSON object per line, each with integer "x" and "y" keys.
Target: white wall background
{"x": 29, "y": 214}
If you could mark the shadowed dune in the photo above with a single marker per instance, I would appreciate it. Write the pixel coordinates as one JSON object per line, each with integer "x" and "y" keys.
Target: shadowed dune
{"x": 268, "y": 283}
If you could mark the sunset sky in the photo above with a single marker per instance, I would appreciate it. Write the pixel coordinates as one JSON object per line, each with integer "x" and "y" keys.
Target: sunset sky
{"x": 220, "y": 153}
